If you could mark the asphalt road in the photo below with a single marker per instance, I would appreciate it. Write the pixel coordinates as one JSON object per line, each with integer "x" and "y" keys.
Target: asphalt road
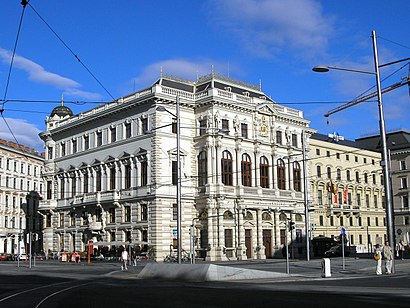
{"x": 56, "y": 284}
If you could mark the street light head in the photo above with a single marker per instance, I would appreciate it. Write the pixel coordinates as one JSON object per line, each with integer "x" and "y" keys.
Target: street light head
{"x": 161, "y": 108}
{"x": 321, "y": 69}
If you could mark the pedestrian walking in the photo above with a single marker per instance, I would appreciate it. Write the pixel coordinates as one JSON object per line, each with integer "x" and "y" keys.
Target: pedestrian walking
{"x": 378, "y": 258}
{"x": 403, "y": 249}
{"x": 388, "y": 256}
{"x": 124, "y": 258}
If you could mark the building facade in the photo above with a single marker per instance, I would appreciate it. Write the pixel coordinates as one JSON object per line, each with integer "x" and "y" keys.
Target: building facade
{"x": 398, "y": 144}
{"x": 111, "y": 172}
{"x": 347, "y": 190}
{"x": 20, "y": 179}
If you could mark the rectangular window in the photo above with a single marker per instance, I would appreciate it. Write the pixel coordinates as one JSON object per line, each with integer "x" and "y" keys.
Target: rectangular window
{"x": 295, "y": 140}
{"x": 319, "y": 197}
{"x": 174, "y": 211}
{"x": 203, "y": 124}
{"x": 99, "y": 139}
{"x": 144, "y": 173}
{"x": 112, "y": 178}
{"x": 49, "y": 189}
{"x": 332, "y": 223}
{"x": 128, "y": 132}
{"x": 405, "y": 201}
{"x": 375, "y": 201}
{"x": 98, "y": 181}
{"x": 244, "y": 130}
{"x": 278, "y": 137}
{"x": 113, "y": 134}
{"x": 62, "y": 150}
{"x": 111, "y": 215}
{"x": 144, "y": 125}
{"x": 321, "y": 220}
{"x": 127, "y": 213}
{"x": 358, "y": 199}
{"x": 317, "y": 151}
{"x": 62, "y": 188}
{"x": 403, "y": 182}
{"x": 74, "y": 144}
{"x": 228, "y": 238}
{"x": 328, "y": 153}
{"x": 50, "y": 156}
{"x": 367, "y": 201}
{"x": 61, "y": 222}
{"x": 403, "y": 165}
{"x": 347, "y": 156}
{"x": 127, "y": 180}
{"x": 86, "y": 142}
{"x": 225, "y": 126}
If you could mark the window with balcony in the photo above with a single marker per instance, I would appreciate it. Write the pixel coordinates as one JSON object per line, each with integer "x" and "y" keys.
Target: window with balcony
{"x": 227, "y": 174}
{"x": 246, "y": 170}
{"x": 202, "y": 169}
{"x": 264, "y": 172}
{"x": 113, "y": 174}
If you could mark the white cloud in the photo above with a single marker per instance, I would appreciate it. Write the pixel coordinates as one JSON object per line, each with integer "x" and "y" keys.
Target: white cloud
{"x": 186, "y": 69}
{"x": 25, "y": 133}
{"x": 266, "y": 27}
{"x": 38, "y": 74}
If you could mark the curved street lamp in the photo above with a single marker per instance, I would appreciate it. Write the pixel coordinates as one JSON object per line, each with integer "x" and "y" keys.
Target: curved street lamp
{"x": 385, "y": 157}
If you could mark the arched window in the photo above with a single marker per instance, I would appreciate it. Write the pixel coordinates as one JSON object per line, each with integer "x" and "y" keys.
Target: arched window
{"x": 226, "y": 163}
{"x": 202, "y": 169}
{"x": 246, "y": 170}
{"x": 281, "y": 174}
{"x": 348, "y": 175}
{"x": 318, "y": 171}
{"x": 264, "y": 172}
{"x": 296, "y": 177}
{"x": 329, "y": 172}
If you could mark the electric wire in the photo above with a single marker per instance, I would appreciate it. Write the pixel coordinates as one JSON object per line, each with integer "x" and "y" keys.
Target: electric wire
{"x": 24, "y": 3}
{"x": 71, "y": 51}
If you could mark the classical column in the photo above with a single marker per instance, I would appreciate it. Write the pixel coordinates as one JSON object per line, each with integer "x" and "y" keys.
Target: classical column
{"x": 260, "y": 249}
{"x": 240, "y": 249}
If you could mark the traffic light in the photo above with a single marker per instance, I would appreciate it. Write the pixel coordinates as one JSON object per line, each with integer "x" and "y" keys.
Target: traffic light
{"x": 291, "y": 225}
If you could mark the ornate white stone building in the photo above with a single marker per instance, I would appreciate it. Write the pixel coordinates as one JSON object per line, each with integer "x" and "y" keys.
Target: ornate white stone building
{"x": 20, "y": 178}
{"x": 347, "y": 190}
{"x": 111, "y": 172}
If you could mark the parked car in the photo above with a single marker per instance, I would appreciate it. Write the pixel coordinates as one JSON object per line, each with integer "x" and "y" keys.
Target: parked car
{"x": 22, "y": 256}
{"x": 5, "y": 257}
{"x": 336, "y": 251}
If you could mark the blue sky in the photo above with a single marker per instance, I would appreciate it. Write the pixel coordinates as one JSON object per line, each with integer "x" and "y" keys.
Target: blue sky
{"x": 277, "y": 42}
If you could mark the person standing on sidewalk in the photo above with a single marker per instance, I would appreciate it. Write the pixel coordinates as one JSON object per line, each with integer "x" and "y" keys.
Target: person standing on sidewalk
{"x": 378, "y": 257}
{"x": 388, "y": 256}
{"x": 124, "y": 259}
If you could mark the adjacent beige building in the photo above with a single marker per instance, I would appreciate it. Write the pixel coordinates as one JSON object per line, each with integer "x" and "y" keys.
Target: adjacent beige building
{"x": 347, "y": 191}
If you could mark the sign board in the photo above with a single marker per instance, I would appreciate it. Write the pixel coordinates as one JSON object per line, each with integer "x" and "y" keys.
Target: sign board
{"x": 174, "y": 234}
{"x": 343, "y": 231}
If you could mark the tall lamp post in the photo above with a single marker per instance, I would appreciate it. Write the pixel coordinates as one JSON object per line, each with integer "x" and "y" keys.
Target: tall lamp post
{"x": 178, "y": 196}
{"x": 385, "y": 158}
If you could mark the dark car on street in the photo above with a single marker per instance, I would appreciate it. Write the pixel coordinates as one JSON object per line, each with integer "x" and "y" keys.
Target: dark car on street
{"x": 336, "y": 251}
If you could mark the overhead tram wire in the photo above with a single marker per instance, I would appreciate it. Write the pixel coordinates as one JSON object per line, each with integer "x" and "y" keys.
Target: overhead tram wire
{"x": 72, "y": 52}
{"x": 23, "y": 3}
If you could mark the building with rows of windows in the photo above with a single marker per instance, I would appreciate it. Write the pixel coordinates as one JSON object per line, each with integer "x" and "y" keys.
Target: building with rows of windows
{"x": 347, "y": 190}
{"x": 398, "y": 144}
{"x": 20, "y": 177}
{"x": 111, "y": 172}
